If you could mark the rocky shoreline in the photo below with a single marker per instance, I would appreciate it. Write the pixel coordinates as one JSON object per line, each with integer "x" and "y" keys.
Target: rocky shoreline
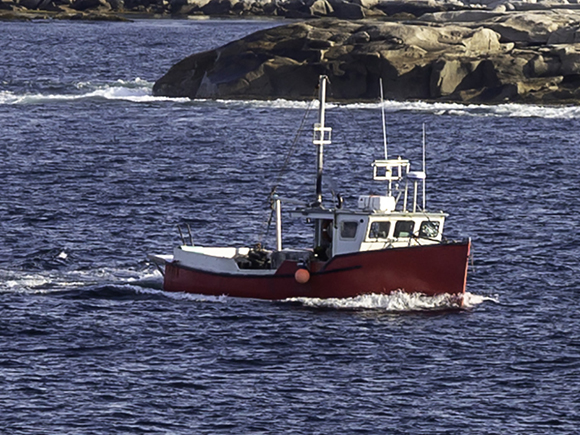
{"x": 423, "y": 50}
{"x": 461, "y": 56}
{"x": 294, "y": 9}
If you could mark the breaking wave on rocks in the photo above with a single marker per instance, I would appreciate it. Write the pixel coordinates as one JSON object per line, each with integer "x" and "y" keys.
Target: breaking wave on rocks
{"x": 482, "y": 110}
{"x": 140, "y": 91}
{"x": 137, "y": 91}
{"x": 449, "y": 109}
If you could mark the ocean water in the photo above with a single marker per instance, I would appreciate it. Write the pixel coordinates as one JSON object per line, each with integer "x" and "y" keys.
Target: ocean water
{"x": 96, "y": 173}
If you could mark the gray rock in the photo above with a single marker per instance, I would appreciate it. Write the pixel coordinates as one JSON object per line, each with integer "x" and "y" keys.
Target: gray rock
{"x": 348, "y": 11}
{"x": 570, "y": 60}
{"x": 219, "y": 7}
{"x": 29, "y": 4}
{"x": 453, "y": 76}
{"x": 469, "y": 16}
{"x": 565, "y": 35}
{"x": 321, "y": 8}
{"x": 83, "y": 5}
{"x": 544, "y": 65}
{"x": 116, "y": 5}
{"x": 414, "y": 8}
{"x": 464, "y": 61}
{"x": 368, "y": 4}
{"x": 534, "y": 28}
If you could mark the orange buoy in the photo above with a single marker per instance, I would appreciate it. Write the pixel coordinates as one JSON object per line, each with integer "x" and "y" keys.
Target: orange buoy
{"x": 302, "y": 276}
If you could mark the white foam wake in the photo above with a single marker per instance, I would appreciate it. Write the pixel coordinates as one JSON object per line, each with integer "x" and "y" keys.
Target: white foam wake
{"x": 183, "y": 296}
{"x": 396, "y": 302}
{"x": 43, "y": 282}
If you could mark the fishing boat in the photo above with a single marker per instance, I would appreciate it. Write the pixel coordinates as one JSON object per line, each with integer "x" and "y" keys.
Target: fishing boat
{"x": 387, "y": 243}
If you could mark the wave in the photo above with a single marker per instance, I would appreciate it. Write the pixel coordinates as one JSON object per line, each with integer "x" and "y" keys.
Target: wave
{"x": 439, "y": 109}
{"x": 397, "y": 302}
{"x": 137, "y": 91}
{"x": 141, "y": 91}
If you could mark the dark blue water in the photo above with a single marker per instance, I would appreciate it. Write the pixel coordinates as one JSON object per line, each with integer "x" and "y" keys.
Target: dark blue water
{"x": 96, "y": 174}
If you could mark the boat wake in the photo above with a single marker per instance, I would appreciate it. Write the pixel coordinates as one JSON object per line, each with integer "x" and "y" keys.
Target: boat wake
{"x": 56, "y": 281}
{"x": 397, "y": 302}
{"x": 99, "y": 283}
{"x": 115, "y": 283}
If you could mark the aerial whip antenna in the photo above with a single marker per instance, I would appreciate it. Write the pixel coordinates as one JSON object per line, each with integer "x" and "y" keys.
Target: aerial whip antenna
{"x": 384, "y": 121}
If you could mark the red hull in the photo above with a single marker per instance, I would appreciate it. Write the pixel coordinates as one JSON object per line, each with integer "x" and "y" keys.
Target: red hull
{"x": 432, "y": 270}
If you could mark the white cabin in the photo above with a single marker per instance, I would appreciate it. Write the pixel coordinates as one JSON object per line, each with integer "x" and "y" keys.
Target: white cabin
{"x": 354, "y": 231}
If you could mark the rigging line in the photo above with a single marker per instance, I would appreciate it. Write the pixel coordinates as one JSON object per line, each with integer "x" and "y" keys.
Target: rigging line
{"x": 281, "y": 171}
{"x": 330, "y": 163}
{"x": 292, "y": 148}
{"x": 367, "y": 136}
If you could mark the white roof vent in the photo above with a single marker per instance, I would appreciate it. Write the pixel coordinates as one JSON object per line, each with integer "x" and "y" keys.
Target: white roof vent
{"x": 376, "y": 203}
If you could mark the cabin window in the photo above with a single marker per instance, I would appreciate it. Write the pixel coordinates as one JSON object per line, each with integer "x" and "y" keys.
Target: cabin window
{"x": 379, "y": 230}
{"x": 429, "y": 229}
{"x": 348, "y": 229}
{"x": 404, "y": 228}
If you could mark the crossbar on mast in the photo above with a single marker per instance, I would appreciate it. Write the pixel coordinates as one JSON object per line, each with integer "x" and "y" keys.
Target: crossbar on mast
{"x": 321, "y": 137}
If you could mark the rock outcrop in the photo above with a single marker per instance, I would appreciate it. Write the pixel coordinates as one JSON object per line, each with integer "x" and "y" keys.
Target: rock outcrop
{"x": 302, "y": 9}
{"x": 449, "y": 56}
{"x": 295, "y": 9}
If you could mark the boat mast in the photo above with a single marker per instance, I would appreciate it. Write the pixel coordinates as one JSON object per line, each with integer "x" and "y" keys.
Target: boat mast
{"x": 424, "y": 163}
{"x": 321, "y": 137}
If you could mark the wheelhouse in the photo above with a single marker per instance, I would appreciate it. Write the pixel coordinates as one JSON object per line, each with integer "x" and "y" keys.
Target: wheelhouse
{"x": 352, "y": 231}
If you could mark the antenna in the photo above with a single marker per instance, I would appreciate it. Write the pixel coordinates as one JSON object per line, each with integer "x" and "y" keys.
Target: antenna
{"x": 383, "y": 115}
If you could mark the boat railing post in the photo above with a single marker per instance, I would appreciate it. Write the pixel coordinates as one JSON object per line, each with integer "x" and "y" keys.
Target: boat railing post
{"x": 278, "y": 208}
{"x": 405, "y": 195}
{"x": 181, "y": 235}
{"x": 414, "y": 196}
{"x": 190, "y": 236}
